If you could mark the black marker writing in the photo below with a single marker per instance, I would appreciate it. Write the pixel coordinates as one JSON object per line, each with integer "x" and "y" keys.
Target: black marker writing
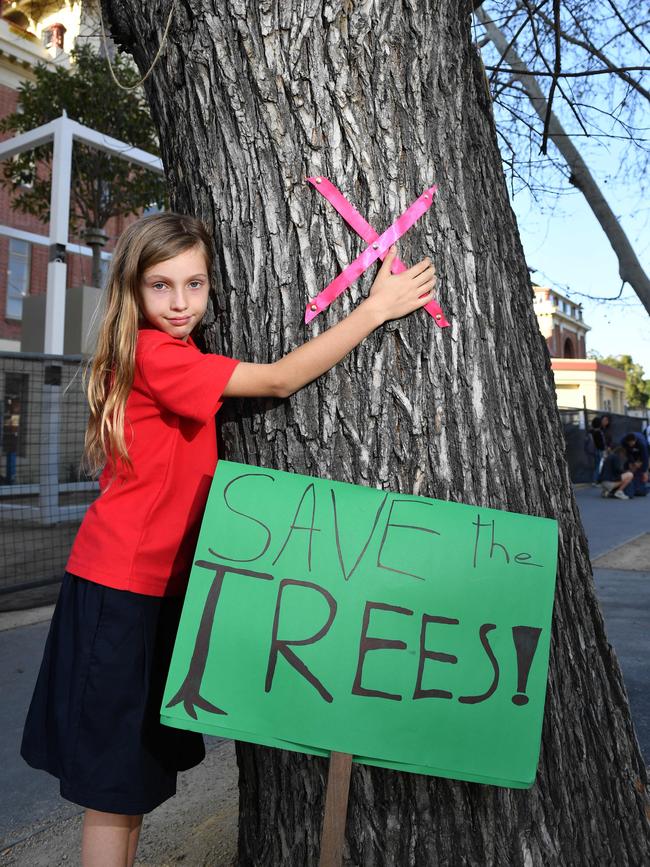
{"x": 390, "y": 524}
{"x": 432, "y": 654}
{"x": 367, "y": 644}
{"x": 294, "y": 526}
{"x": 475, "y": 699}
{"x": 282, "y": 645}
{"x": 348, "y": 575}
{"x": 248, "y": 517}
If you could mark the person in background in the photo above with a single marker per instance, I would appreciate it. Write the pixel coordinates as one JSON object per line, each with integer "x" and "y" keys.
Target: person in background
{"x": 614, "y": 478}
{"x": 10, "y": 439}
{"x": 597, "y": 446}
{"x": 636, "y": 450}
{"x": 606, "y": 428}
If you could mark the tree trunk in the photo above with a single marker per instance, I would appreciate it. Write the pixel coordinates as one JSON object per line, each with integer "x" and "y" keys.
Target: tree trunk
{"x": 384, "y": 99}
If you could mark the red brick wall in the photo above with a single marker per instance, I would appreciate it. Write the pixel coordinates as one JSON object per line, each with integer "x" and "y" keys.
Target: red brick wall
{"x": 556, "y": 343}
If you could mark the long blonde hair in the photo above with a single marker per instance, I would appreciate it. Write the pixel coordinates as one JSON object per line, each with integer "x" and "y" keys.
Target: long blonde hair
{"x": 145, "y": 243}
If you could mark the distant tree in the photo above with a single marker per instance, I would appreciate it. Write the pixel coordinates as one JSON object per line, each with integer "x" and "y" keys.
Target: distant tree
{"x": 102, "y": 186}
{"x": 637, "y": 389}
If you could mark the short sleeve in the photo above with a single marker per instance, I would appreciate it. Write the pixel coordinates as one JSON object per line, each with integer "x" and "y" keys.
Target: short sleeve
{"x": 182, "y": 379}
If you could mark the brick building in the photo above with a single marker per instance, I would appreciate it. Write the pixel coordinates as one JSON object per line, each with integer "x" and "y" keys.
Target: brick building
{"x": 33, "y": 33}
{"x": 579, "y": 381}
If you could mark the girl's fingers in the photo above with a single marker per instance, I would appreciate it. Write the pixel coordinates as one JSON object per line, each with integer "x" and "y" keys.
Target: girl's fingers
{"x": 425, "y": 276}
{"x": 388, "y": 260}
{"x": 414, "y": 270}
{"x": 428, "y": 296}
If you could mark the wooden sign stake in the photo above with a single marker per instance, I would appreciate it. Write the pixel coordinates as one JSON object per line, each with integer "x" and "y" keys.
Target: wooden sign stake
{"x": 336, "y": 809}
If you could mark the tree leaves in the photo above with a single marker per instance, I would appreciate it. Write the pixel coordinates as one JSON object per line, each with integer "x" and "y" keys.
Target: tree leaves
{"x": 102, "y": 186}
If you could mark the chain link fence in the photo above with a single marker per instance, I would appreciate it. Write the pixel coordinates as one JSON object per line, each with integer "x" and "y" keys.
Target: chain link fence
{"x": 576, "y": 423}
{"x": 43, "y": 493}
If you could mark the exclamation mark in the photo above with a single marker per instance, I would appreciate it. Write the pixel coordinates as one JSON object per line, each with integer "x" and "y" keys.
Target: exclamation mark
{"x": 525, "y": 638}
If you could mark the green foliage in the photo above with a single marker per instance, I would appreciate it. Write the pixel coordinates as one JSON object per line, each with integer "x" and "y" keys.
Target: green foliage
{"x": 637, "y": 389}
{"x": 102, "y": 186}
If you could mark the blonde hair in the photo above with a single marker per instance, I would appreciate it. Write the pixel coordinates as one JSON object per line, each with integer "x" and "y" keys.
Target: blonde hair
{"x": 145, "y": 243}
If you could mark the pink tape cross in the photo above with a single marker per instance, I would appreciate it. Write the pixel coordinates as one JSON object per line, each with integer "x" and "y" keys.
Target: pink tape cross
{"x": 379, "y": 246}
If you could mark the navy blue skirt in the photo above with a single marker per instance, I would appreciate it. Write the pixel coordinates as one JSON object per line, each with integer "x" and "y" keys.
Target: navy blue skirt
{"x": 94, "y": 719}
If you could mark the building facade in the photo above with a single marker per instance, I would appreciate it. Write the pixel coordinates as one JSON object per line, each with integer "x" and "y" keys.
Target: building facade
{"x": 579, "y": 381}
{"x": 33, "y": 33}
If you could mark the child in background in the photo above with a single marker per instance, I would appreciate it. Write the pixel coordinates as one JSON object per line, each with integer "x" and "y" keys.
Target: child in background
{"x": 94, "y": 717}
{"x": 613, "y": 477}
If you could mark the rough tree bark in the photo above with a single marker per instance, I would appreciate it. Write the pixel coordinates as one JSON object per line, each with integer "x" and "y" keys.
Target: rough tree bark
{"x": 384, "y": 98}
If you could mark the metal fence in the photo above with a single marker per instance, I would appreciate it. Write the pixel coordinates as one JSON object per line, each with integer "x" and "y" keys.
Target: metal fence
{"x": 43, "y": 494}
{"x": 576, "y": 424}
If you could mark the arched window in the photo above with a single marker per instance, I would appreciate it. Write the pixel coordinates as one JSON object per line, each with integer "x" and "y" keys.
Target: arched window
{"x": 569, "y": 351}
{"x": 17, "y": 17}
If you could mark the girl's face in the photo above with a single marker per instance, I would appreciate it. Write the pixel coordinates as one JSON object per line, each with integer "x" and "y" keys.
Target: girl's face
{"x": 174, "y": 293}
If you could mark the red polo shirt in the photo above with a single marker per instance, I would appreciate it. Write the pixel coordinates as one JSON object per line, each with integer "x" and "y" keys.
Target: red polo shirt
{"x": 141, "y": 532}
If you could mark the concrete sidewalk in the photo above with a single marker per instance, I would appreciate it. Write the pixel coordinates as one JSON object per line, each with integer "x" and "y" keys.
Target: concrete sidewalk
{"x": 39, "y": 829}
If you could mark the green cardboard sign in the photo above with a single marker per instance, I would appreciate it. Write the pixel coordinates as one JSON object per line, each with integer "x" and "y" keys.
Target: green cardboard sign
{"x": 411, "y": 632}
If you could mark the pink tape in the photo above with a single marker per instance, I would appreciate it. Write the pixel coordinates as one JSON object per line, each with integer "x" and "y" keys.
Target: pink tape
{"x": 380, "y": 244}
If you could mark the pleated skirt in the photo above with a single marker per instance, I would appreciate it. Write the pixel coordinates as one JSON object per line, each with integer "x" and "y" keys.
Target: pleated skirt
{"x": 94, "y": 719}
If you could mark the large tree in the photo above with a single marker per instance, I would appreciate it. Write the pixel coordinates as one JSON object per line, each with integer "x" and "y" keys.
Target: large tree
{"x": 384, "y": 99}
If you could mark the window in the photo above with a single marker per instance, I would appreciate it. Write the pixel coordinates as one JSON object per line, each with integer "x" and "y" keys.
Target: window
{"x": 17, "y": 18}
{"x": 17, "y": 277}
{"x": 568, "y": 348}
{"x": 52, "y": 37}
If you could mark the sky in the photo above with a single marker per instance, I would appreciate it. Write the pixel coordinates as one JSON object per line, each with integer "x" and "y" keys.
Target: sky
{"x": 561, "y": 237}
{"x": 569, "y": 250}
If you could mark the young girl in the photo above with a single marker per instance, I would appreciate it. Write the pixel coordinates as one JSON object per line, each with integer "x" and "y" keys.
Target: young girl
{"x": 94, "y": 717}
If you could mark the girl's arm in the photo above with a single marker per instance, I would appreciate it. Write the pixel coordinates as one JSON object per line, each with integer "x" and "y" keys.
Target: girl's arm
{"x": 391, "y": 297}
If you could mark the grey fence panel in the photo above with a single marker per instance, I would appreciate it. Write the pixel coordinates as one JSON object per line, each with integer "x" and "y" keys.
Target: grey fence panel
{"x": 43, "y": 493}
{"x": 576, "y": 434}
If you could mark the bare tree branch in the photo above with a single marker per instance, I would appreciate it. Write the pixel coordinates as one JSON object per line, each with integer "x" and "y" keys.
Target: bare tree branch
{"x": 630, "y": 268}
{"x": 588, "y": 45}
{"x": 517, "y": 34}
{"x": 557, "y": 71}
{"x": 627, "y": 27}
{"x": 584, "y": 74}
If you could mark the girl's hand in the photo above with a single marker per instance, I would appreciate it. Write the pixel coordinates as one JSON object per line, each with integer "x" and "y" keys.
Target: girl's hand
{"x": 395, "y": 295}
{"x": 391, "y": 296}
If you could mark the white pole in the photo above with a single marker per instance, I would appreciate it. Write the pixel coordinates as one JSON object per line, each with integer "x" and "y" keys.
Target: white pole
{"x": 59, "y": 222}
{"x": 55, "y": 322}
